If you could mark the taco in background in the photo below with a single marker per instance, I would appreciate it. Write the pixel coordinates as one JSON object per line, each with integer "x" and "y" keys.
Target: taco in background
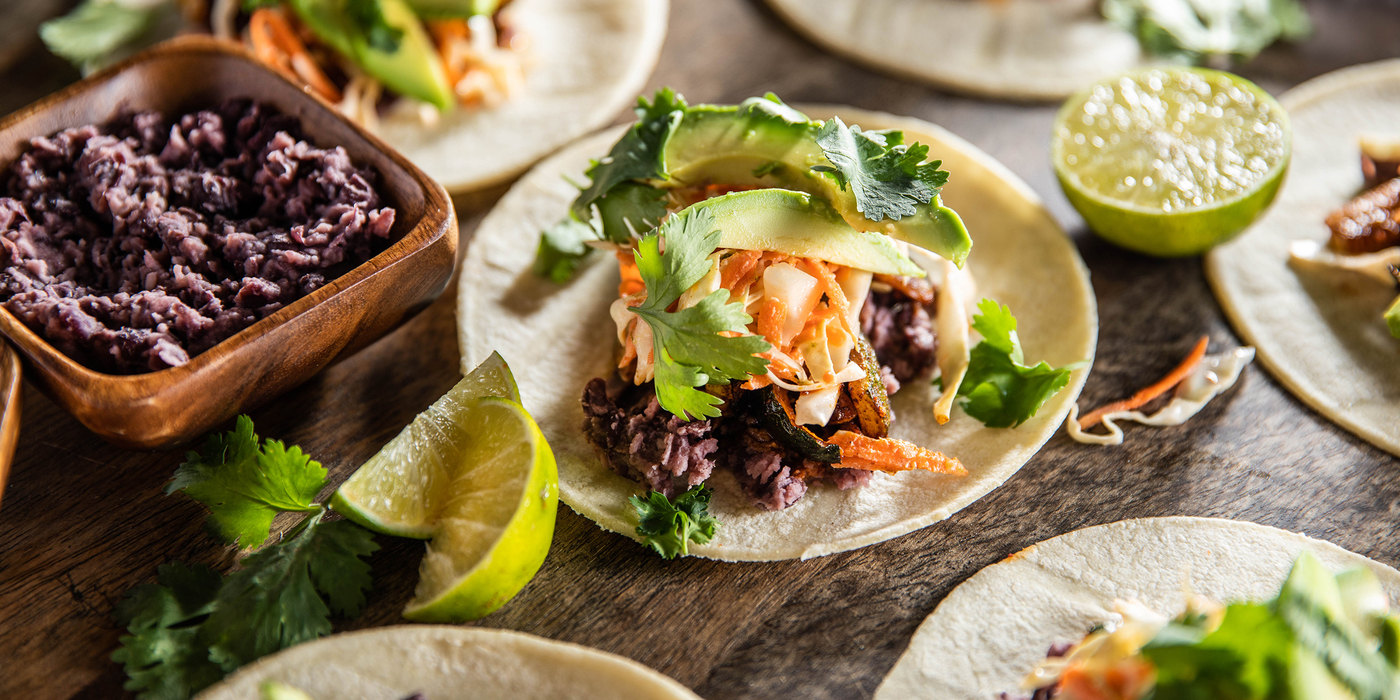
{"x": 1188, "y": 607}
{"x": 768, "y": 282}
{"x": 1039, "y": 49}
{"x": 438, "y": 662}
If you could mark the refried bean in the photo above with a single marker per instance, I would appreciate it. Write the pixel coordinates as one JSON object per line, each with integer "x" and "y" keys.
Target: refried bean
{"x": 134, "y": 246}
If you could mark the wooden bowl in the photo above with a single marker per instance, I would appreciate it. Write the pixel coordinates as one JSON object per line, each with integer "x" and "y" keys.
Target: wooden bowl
{"x": 164, "y": 408}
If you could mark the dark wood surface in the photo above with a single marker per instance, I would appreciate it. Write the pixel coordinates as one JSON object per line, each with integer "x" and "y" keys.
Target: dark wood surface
{"x": 83, "y": 521}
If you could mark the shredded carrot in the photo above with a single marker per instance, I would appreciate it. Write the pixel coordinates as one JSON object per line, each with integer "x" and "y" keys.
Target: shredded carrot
{"x": 835, "y": 296}
{"x": 891, "y": 455}
{"x": 276, "y": 44}
{"x": 756, "y": 382}
{"x": 771, "y": 319}
{"x": 736, "y": 267}
{"x": 631, "y": 277}
{"x": 1141, "y": 398}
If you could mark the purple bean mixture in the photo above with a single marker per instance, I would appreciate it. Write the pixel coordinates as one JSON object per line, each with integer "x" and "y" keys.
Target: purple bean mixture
{"x": 136, "y": 245}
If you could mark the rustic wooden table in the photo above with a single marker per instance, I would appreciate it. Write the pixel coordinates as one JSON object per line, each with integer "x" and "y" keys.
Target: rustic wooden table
{"x": 83, "y": 521}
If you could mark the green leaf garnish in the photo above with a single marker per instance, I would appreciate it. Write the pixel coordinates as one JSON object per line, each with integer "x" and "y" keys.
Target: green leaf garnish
{"x": 688, "y": 349}
{"x": 669, "y": 526}
{"x": 562, "y": 250}
{"x": 999, "y": 389}
{"x": 1195, "y": 31}
{"x": 639, "y": 155}
{"x": 162, "y": 653}
{"x": 368, "y": 17}
{"x": 95, "y": 30}
{"x": 889, "y": 179}
{"x": 245, "y": 485}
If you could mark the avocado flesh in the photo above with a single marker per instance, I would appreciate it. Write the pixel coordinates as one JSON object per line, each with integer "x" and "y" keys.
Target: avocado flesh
{"x": 766, "y": 144}
{"x": 1392, "y": 318}
{"x": 799, "y": 224}
{"x": 413, "y": 70}
{"x": 435, "y": 9}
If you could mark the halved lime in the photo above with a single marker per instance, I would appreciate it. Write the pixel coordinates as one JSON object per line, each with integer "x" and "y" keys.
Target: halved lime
{"x": 399, "y": 490}
{"x": 1171, "y": 161}
{"x": 474, "y": 474}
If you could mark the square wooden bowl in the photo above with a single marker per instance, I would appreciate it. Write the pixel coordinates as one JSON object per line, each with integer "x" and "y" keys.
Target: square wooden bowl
{"x": 165, "y": 408}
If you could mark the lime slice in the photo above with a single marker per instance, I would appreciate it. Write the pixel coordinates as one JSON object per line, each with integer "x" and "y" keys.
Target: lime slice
{"x": 1171, "y": 161}
{"x": 399, "y": 490}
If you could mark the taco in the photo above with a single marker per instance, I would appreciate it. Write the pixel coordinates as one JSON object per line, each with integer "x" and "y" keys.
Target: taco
{"x": 1188, "y": 607}
{"x": 1038, "y": 49}
{"x": 760, "y": 197}
{"x": 1318, "y": 319}
{"x": 440, "y": 662}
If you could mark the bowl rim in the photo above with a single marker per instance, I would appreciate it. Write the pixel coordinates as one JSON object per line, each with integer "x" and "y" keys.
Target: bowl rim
{"x": 428, "y": 229}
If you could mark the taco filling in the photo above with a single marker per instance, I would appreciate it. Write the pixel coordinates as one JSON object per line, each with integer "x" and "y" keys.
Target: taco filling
{"x": 1323, "y": 637}
{"x": 372, "y": 56}
{"x": 768, "y": 303}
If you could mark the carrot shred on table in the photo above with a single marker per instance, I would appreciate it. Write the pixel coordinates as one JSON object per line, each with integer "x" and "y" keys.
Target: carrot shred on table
{"x": 1141, "y": 398}
{"x": 891, "y": 455}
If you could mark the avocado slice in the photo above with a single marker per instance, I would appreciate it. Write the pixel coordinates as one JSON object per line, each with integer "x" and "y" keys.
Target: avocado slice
{"x": 799, "y": 224}
{"x": 412, "y": 68}
{"x": 1392, "y": 318}
{"x": 434, "y": 9}
{"x": 760, "y": 142}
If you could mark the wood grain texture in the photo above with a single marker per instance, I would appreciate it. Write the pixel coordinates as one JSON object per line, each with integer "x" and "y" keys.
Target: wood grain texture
{"x": 82, "y": 521}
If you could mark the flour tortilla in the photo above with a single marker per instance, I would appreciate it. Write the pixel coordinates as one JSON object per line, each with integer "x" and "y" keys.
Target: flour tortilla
{"x": 556, "y": 338}
{"x": 1320, "y": 332}
{"x": 993, "y": 629}
{"x": 590, "y": 58}
{"x": 1016, "y": 49}
{"x": 449, "y": 663}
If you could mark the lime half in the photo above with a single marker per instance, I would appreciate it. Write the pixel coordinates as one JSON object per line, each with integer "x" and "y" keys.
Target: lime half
{"x": 399, "y": 491}
{"x": 1171, "y": 161}
{"x": 474, "y": 474}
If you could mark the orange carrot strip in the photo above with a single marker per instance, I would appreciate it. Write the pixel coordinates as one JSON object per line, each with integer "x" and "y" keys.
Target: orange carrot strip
{"x": 891, "y": 455}
{"x": 631, "y": 276}
{"x": 276, "y": 44}
{"x": 771, "y": 319}
{"x": 736, "y": 267}
{"x": 756, "y": 382}
{"x": 1139, "y": 399}
{"x": 835, "y": 296}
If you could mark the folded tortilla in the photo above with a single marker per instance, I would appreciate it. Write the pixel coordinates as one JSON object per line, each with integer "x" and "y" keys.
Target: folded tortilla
{"x": 1320, "y": 332}
{"x": 1010, "y": 49}
{"x": 448, "y": 663}
{"x": 995, "y": 627}
{"x": 587, "y": 61}
{"x": 557, "y": 337}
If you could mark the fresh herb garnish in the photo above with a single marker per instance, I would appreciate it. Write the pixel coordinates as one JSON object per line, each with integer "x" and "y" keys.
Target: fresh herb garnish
{"x": 368, "y": 17}
{"x": 688, "y": 348}
{"x": 193, "y": 627}
{"x": 889, "y": 179}
{"x": 669, "y": 526}
{"x": 562, "y": 250}
{"x": 1195, "y": 31}
{"x": 97, "y": 29}
{"x": 639, "y": 155}
{"x": 999, "y": 389}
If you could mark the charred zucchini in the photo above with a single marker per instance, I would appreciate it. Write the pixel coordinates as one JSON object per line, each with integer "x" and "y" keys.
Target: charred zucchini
{"x": 775, "y": 408}
{"x": 873, "y": 411}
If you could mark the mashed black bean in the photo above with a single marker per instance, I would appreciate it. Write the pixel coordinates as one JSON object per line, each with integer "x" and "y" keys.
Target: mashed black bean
{"x": 133, "y": 246}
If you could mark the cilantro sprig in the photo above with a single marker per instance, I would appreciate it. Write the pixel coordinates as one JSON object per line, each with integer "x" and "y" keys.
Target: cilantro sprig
{"x": 639, "y": 155}
{"x": 999, "y": 389}
{"x": 193, "y": 626}
{"x": 97, "y": 30}
{"x": 1195, "y": 31}
{"x": 687, "y": 346}
{"x": 888, "y": 178}
{"x": 669, "y": 526}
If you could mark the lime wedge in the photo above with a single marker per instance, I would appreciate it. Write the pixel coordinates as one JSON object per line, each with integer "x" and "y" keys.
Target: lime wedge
{"x": 1171, "y": 161}
{"x": 399, "y": 490}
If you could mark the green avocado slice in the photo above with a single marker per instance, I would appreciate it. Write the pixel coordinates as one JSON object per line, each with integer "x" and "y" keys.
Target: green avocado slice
{"x": 434, "y": 9}
{"x": 797, "y": 223}
{"x": 412, "y": 68}
{"x": 760, "y": 142}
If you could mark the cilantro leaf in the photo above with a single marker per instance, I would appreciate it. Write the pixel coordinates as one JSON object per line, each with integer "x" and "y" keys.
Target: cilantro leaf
{"x": 562, "y": 250}
{"x": 274, "y": 601}
{"x": 629, "y": 210}
{"x": 1240, "y": 659}
{"x": 368, "y": 17}
{"x": 999, "y": 389}
{"x": 669, "y": 526}
{"x": 687, "y": 344}
{"x": 95, "y": 30}
{"x": 163, "y": 656}
{"x": 1195, "y": 31}
{"x": 889, "y": 179}
{"x": 639, "y": 155}
{"x": 244, "y": 486}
